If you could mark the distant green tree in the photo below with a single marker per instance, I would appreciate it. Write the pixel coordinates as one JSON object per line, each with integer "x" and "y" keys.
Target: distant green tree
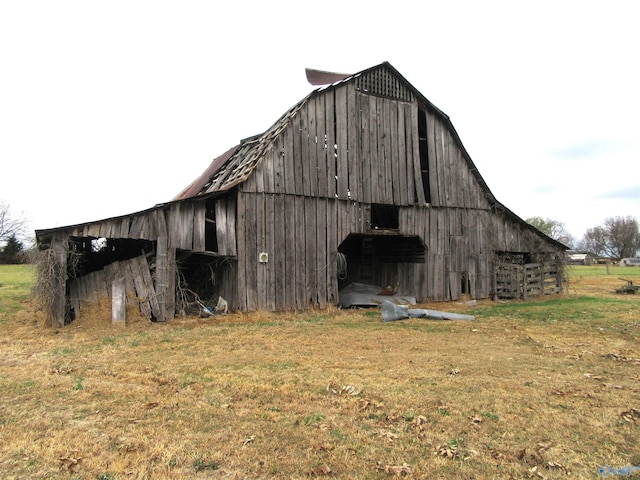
{"x": 619, "y": 237}
{"x": 12, "y": 252}
{"x": 552, "y": 228}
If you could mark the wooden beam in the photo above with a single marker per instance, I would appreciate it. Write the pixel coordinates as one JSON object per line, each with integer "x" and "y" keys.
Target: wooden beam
{"x": 60, "y": 250}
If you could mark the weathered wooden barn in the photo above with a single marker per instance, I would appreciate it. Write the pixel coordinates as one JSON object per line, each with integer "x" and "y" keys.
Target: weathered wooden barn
{"x": 364, "y": 180}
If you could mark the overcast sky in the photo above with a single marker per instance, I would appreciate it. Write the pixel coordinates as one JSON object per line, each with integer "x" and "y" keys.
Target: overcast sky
{"x": 107, "y": 108}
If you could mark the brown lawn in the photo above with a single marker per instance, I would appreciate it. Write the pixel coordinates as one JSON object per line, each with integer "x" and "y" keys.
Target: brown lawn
{"x": 547, "y": 389}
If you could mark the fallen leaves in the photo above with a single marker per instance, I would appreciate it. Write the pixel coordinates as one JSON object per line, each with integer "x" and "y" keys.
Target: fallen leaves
{"x": 390, "y": 437}
{"x": 336, "y": 389}
{"x": 70, "y": 462}
{"x": 61, "y": 370}
{"x": 631, "y": 415}
{"x": 476, "y": 421}
{"x": 447, "y": 451}
{"x": 395, "y": 470}
{"x": 321, "y": 470}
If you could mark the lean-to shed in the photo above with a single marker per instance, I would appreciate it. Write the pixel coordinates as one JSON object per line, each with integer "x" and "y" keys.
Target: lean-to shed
{"x": 364, "y": 180}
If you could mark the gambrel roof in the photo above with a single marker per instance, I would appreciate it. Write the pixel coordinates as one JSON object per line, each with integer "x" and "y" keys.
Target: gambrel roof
{"x": 237, "y": 164}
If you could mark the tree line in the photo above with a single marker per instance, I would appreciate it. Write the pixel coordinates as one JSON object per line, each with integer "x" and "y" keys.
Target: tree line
{"x": 617, "y": 237}
{"x": 13, "y": 232}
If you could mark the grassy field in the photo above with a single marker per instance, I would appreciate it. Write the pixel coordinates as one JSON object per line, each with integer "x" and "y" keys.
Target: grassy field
{"x": 539, "y": 389}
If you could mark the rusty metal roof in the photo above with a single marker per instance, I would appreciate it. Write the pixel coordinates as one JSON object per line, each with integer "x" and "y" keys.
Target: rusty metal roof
{"x": 236, "y": 164}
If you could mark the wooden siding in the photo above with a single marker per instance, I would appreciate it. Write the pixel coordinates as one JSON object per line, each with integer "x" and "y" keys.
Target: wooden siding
{"x": 351, "y": 145}
{"x": 138, "y": 284}
{"x": 302, "y": 235}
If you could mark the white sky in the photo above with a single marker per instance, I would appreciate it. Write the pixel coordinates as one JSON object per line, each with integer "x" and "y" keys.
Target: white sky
{"x": 107, "y": 108}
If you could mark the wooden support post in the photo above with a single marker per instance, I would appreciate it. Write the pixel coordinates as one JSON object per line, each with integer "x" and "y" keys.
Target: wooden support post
{"x": 161, "y": 278}
{"x": 60, "y": 250}
{"x": 118, "y": 301}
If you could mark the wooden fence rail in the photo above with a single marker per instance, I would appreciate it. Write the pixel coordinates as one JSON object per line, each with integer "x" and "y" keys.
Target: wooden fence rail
{"x": 527, "y": 281}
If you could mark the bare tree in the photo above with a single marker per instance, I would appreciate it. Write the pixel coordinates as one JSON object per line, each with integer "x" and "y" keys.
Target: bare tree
{"x": 619, "y": 237}
{"x": 10, "y": 225}
{"x": 552, "y": 228}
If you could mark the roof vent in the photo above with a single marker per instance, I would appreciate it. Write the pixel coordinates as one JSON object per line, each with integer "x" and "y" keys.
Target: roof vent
{"x": 384, "y": 84}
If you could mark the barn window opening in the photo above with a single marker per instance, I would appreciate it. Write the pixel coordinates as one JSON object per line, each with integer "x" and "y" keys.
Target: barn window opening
{"x": 210, "y": 233}
{"x": 424, "y": 153}
{"x": 465, "y": 284}
{"x": 385, "y": 217}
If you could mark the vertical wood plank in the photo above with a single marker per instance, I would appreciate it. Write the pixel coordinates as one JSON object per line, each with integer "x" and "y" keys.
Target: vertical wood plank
{"x": 342, "y": 170}
{"x": 374, "y": 157}
{"x": 332, "y": 250}
{"x": 277, "y": 154}
{"x": 273, "y": 250}
{"x": 199, "y": 226}
{"x": 304, "y": 150}
{"x": 382, "y": 154}
{"x": 392, "y": 133}
{"x": 280, "y": 254}
{"x": 365, "y": 151}
{"x": 411, "y": 131}
{"x": 242, "y": 248}
{"x": 225, "y": 212}
{"x": 329, "y": 119}
{"x": 142, "y": 293}
{"x": 354, "y": 133}
{"x": 321, "y": 147}
{"x": 230, "y": 237}
{"x": 312, "y": 145}
{"x": 186, "y": 226}
{"x": 405, "y": 186}
{"x": 74, "y": 297}
{"x": 118, "y": 301}
{"x": 322, "y": 259}
{"x": 174, "y": 226}
{"x": 433, "y": 160}
{"x": 290, "y": 171}
{"x": 300, "y": 167}
{"x": 148, "y": 285}
{"x": 311, "y": 290}
{"x": 300, "y": 252}
{"x": 267, "y": 165}
{"x": 170, "y": 293}
{"x": 251, "y": 250}
{"x": 161, "y": 280}
{"x": 289, "y": 278}
{"x": 124, "y": 227}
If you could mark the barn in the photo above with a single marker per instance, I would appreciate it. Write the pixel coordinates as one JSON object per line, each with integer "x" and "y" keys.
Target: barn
{"x": 362, "y": 181}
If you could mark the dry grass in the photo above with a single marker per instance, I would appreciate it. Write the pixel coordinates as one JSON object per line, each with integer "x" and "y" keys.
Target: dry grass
{"x": 536, "y": 390}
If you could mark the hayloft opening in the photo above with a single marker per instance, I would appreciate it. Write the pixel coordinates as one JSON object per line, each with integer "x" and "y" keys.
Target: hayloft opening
{"x": 385, "y": 217}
